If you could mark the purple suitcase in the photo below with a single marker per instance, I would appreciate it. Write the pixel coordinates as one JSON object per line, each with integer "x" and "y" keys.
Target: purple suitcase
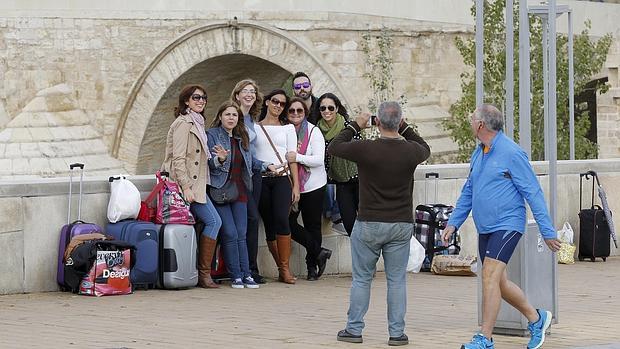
{"x": 70, "y": 230}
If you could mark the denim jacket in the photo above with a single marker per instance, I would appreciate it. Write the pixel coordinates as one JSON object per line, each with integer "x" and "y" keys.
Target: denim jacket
{"x": 219, "y": 171}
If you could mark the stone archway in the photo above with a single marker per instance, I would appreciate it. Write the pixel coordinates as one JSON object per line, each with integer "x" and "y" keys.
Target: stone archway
{"x": 262, "y": 50}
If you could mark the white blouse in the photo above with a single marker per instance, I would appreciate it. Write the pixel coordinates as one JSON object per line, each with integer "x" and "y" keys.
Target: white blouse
{"x": 314, "y": 159}
{"x": 284, "y": 138}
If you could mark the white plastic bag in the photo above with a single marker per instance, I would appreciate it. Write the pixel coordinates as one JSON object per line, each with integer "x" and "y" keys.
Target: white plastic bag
{"x": 124, "y": 200}
{"x": 416, "y": 256}
{"x": 566, "y": 234}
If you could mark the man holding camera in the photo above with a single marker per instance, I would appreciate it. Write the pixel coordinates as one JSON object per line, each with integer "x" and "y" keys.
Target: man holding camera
{"x": 384, "y": 224}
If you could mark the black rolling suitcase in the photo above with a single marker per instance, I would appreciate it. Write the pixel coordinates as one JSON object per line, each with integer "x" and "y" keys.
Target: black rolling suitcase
{"x": 594, "y": 232}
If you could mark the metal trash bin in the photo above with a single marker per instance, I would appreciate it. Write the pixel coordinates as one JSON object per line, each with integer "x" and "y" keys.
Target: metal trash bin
{"x": 533, "y": 267}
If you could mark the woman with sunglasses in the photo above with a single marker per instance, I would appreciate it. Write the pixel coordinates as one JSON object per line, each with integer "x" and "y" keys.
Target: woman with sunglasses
{"x": 312, "y": 178}
{"x": 339, "y": 171}
{"x": 233, "y": 163}
{"x": 274, "y": 139}
{"x": 186, "y": 162}
{"x": 246, "y": 93}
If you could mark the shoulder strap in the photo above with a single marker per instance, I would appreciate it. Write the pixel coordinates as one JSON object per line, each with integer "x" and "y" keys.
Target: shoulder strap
{"x": 271, "y": 143}
{"x": 275, "y": 151}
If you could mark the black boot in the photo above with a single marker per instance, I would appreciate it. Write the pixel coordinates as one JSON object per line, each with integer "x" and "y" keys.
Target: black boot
{"x": 312, "y": 274}
{"x": 321, "y": 260}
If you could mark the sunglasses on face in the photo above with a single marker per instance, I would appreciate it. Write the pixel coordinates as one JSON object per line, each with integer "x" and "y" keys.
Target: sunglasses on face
{"x": 196, "y": 97}
{"x": 248, "y": 91}
{"x": 300, "y": 85}
{"x": 276, "y": 102}
{"x": 296, "y": 111}
{"x": 328, "y": 107}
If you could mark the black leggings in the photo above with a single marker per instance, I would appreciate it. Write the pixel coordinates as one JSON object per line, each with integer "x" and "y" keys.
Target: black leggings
{"x": 274, "y": 206}
{"x": 253, "y": 220}
{"x": 309, "y": 235}
{"x": 348, "y": 198}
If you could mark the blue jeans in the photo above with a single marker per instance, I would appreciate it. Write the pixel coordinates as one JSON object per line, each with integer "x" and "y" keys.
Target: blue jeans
{"x": 232, "y": 237}
{"x": 207, "y": 214}
{"x": 368, "y": 241}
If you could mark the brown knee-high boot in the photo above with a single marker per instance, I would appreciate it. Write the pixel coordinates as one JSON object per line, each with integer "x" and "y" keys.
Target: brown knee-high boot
{"x": 273, "y": 248}
{"x": 206, "y": 251}
{"x": 284, "y": 254}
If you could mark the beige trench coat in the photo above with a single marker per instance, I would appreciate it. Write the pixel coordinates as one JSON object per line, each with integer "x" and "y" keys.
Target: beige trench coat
{"x": 186, "y": 158}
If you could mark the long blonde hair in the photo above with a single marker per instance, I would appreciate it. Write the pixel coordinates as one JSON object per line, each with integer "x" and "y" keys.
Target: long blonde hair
{"x": 258, "y": 103}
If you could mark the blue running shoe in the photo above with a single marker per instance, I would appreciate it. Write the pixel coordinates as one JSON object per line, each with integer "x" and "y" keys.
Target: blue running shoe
{"x": 479, "y": 342}
{"x": 538, "y": 329}
{"x": 237, "y": 283}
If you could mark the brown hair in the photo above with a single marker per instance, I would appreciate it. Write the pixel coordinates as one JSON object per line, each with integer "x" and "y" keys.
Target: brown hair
{"x": 184, "y": 96}
{"x": 258, "y": 103}
{"x": 239, "y": 130}
{"x": 303, "y": 104}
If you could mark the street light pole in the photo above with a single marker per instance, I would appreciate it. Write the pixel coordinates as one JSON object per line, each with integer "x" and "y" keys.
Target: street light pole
{"x": 524, "y": 79}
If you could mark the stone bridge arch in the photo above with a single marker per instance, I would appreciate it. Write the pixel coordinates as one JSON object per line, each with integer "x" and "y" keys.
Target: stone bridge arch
{"x": 256, "y": 49}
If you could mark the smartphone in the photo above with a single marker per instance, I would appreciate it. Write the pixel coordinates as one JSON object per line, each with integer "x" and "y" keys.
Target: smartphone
{"x": 372, "y": 121}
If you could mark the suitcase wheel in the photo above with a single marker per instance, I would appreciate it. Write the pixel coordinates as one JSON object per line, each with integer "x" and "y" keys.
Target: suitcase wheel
{"x": 604, "y": 259}
{"x": 592, "y": 259}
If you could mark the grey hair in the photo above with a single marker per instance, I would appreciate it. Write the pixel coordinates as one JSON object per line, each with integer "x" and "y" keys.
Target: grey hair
{"x": 492, "y": 117}
{"x": 390, "y": 115}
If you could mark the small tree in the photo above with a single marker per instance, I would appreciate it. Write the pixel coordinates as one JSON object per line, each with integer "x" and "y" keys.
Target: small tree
{"x": 379, "y": 72}
{"x": 589, "y": 57}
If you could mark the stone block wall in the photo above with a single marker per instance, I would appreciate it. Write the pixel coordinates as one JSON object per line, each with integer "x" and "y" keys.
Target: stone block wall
{"x": 35, "y": 210}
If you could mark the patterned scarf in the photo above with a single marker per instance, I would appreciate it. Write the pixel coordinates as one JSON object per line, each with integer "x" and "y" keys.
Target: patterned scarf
{"x": 303, "y": 140}
{"x": 199, "y": 121}
{"x": 340, "y": 170}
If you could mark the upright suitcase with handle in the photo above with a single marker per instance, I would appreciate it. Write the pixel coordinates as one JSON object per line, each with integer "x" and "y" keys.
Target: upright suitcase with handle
{"x": 594, "y": 232}
{"x": 177, "y": 256}
{"x": 144, "y": 236}
{"x": 71, "y": 229}
{"x": 430, "y": 221}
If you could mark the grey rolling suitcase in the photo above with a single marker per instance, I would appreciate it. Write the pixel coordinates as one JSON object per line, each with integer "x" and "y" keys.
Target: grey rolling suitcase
{"x": 177, "y": 256}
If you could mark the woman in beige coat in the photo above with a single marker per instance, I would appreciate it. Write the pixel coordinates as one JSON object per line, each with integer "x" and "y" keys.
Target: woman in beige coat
{"x": 186, "y": 161}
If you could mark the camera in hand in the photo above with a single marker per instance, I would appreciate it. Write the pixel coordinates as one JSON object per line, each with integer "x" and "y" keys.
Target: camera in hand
{"x": 372, "y": 121}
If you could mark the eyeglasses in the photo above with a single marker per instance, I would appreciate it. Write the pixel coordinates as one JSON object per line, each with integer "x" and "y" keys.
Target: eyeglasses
{"x": 300, "y": 85}
{"x": 296, "y": 111}
{"x": 246, "y": 91}
{"x": 276, "y": 102}
{"x": 328, "y": 107}
{"x": 196, "y": 97}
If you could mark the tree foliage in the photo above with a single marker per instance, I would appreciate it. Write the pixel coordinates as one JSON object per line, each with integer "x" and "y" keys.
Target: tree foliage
{"x": 589, "y": 56}
{"x": 379, "y": 66}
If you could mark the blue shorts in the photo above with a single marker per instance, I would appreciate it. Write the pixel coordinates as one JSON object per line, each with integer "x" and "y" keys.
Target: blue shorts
{"x": 498, "y": 245}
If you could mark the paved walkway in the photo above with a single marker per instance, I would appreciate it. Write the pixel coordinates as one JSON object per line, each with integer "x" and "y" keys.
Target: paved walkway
{"x": 442, "y": 314}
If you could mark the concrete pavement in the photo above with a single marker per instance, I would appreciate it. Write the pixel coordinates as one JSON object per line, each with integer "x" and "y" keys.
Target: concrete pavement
{"x": 441, "y": 314}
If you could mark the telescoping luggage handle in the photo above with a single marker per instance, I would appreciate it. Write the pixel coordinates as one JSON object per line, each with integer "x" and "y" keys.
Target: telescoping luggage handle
{"x": 71, "y": 168}
{"x": 429, "y": 175}
{"x": 587, "y": 175}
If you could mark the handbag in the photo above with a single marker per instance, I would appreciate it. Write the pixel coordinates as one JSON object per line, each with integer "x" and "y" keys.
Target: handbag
{"x": 171, "y": 206}
{"x": 227, "y": 194}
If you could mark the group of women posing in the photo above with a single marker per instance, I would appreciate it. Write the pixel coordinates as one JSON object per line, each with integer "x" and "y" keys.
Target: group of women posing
{"x": 276, "y": 159}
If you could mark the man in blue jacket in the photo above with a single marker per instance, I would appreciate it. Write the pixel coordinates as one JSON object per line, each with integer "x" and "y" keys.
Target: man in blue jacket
{"x": 500, "y": 180}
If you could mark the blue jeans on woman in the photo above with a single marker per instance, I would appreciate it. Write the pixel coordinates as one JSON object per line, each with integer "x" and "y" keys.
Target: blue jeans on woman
{"x": 233, "y": 236}
{"x": 207, "y": 214}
